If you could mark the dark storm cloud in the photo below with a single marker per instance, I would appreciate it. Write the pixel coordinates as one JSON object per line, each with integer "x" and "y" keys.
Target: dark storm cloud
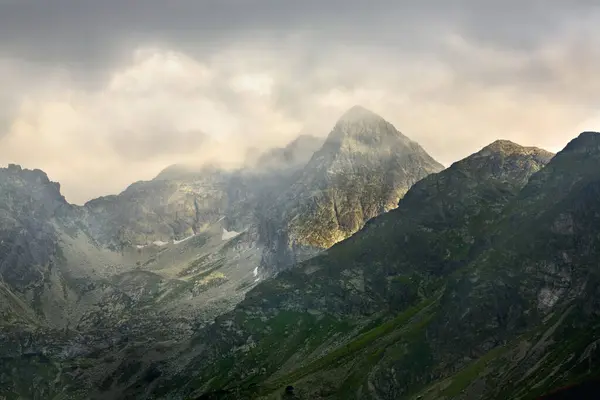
{"x": 126, "y": 86}
{"x": 88, "y": 37}
{"x": 84, "y": 33}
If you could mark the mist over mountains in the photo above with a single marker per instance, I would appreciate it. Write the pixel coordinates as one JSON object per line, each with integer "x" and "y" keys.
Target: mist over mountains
{"x": 351, "y": 267}
{"x": 311, "y": 200}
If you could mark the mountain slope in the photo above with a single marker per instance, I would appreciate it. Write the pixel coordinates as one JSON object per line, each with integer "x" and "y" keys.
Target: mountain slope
{"x": 325, "y": 325}
{"x": 508, "y": 313}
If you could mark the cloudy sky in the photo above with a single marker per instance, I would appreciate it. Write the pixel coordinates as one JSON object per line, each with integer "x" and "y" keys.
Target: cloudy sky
{"x": 103, "y": 93}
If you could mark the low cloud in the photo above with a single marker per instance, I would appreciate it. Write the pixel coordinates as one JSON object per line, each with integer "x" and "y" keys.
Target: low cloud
{"x": 166, "y": 103}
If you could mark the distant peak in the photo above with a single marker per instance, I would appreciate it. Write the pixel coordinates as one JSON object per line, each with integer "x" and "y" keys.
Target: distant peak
{"x": 15, "y": 167}
{"x": 589, "y": 134}
{"x": 358, "y": 109}
{"x": 303, "y": 139}
{"x": 362, "y": 129}
{"x": 293, "y": 155}
{"x": 359, "y": 113}
{"x": 186, "y": 171}
{"x": 503, "y": 146}
{"x": 30, "y": 174}
{"x": 35, "y": 177}
{"x": 588, "y": 141}
{"x": 507, "y": 147}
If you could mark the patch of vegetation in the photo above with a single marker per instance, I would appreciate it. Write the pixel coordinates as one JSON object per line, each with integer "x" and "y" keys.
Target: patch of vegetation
{"x": 356, "y": 345}
{"x": 149, "y": 261}
{"x": 128, "y": 370}
{"x": 203, "y": 266}
{"x": 233, "y": 242}
{"x": 244, "y": 285}
{"x": 562, "y": 365}
{"x": 469, "y": 374}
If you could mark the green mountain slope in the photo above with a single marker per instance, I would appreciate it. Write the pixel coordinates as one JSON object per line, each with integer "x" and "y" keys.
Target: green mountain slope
{"x": 427, "y": 300}
{"x": 503, "y": 305}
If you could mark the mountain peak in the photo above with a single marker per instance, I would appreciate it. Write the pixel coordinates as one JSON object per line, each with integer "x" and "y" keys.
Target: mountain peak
{"x": 588, "y": 142}
{"x": 506, "y": 161}
{"x": 293, "y": 155}
{"x": 364, "y": 167}
{"x": 33, "y": 175}
{"x": 359, "y": 113}
{"x": 503, "y": 145}
{"x": 30, "y": 190}
{"x": 359, "y": 128}
{"x": 302, "y": 142}
{"x": 508, "y": 148}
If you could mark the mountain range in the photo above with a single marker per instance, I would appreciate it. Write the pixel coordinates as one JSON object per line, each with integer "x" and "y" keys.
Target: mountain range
{"x": 167, "y": 256}
{"x": 351, "y": 268}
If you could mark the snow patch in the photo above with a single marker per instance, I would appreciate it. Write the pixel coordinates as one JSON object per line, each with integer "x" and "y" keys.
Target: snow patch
{"x": 255, "y": 272}
{"x": 548, "y": 297}
{"x": 184, "y": 239}
{"x": 160, "y": 243}
{"x": 257, "y": 279}
{"x": 228, "y": 234}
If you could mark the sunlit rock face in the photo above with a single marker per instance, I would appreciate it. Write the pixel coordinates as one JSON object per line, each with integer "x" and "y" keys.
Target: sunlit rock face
{"x": 362, "y": 170}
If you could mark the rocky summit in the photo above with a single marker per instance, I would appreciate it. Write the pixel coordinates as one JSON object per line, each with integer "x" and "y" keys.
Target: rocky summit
{"x": 364, "y": 167}
{"x": 93, "y": 296}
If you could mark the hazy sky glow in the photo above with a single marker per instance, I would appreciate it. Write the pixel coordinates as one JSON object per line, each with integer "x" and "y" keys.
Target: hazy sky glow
{"x": 101, "y": 94}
